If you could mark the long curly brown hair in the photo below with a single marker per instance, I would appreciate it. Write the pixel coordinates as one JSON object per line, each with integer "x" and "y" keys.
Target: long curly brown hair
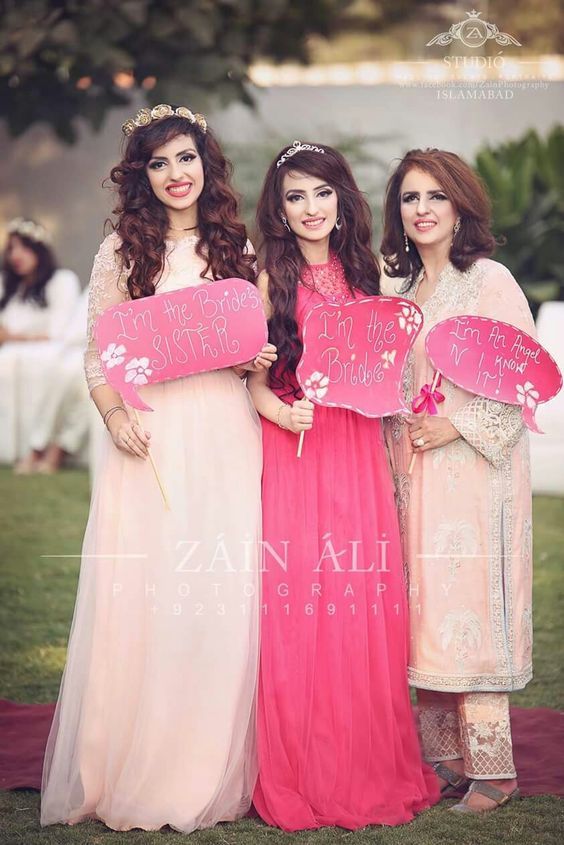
{"x": 284, "y": 261}
{"x": 143, "y": 222}
{"x": 466, "y": 192}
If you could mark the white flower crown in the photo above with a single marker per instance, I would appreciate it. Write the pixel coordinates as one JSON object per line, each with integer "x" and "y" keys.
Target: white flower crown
{"x": 29, "y": 229}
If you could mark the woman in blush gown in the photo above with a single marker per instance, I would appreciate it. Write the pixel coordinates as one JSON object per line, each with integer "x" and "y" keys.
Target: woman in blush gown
{"x": 337, "y": 741}
{"x": 155, "y": 722}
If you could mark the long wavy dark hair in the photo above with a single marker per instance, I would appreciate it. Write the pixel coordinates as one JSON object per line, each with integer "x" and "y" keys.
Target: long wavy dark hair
{"x": 284, "y": 262}
{"x": 34, "y": 289}
{"x": 466, "y": 192}
{"x": 143, "y": 222}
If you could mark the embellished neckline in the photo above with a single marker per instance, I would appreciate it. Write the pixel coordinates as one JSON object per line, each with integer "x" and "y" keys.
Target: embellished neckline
{"x": 444, "y": 274}
{"x": 455, "y": 289}
{"x": 182, "y": 239}
{"x": 328, "y": 280}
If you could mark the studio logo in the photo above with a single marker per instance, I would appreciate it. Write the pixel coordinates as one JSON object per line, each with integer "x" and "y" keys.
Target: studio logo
{"x": 473, "y": 32}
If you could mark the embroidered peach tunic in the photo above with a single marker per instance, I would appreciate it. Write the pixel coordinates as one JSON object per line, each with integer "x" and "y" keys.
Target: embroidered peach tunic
{"x": 465, "y": 512}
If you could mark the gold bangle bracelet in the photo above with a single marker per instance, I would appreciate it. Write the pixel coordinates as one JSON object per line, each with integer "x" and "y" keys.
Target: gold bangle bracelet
{"x": 109, "y": 413}
{"x": 113, "y": 408}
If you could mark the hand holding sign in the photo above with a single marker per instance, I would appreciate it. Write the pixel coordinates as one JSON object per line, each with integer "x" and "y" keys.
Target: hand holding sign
{"x": 426, "y": 403}
{"x": 170, "y": 335}
{"x": 494, "y": 359}
{"x": 354, "y": 354}
{"x": 192, "y": 330}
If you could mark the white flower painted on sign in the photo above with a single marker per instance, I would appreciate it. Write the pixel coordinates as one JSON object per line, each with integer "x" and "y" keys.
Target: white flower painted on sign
{"x": 409, "y": 318}
{"x": 388, "y": 358}
{"x": 113, "y": 355}
{"x": 138, "y": 370}
{"x": 316, "y": 386}
{"x": 527, "y": 395}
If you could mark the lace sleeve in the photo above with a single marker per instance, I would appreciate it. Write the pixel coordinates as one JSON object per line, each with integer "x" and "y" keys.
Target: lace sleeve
{"x": 491, "y": 427}
{"x": 104, "y": 290}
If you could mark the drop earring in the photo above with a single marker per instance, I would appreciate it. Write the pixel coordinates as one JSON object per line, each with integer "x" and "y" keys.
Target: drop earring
{"x": 406, "y": 242}
{"x": 338, "y": 223}
{"x": 285, "y": 222}
{"x": 456, "y": 227}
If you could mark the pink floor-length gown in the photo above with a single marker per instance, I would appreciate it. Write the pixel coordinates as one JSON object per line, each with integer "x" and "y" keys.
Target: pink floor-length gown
{"x": 155, "y": 722}
{"x": 336, "y": 736}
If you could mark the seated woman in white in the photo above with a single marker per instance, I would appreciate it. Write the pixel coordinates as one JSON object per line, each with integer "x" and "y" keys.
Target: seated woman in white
{"x": 36, "y": 304}
{"x": 62, "y": 420}
{"x": 36, "y": 298}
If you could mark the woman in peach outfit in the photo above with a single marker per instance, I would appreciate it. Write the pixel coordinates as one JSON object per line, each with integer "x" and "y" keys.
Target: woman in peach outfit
{"x": 465, "y": 512}
{"x": 155, "y": 719}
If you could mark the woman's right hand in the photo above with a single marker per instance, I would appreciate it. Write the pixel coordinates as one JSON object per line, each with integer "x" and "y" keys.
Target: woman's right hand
{"x": 128, "y": 435}
{"x": 300, "y": 417}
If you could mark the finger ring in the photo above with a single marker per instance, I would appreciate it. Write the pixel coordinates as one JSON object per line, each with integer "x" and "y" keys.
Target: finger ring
{"x": 419, "y": 442}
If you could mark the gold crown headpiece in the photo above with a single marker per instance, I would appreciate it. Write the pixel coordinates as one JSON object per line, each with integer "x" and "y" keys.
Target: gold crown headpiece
{"x": 146, "y": 116}
{"x": 29, "y": 229}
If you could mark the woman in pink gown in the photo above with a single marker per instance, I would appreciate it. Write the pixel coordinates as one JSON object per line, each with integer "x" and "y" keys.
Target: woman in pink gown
{"x": 155, "y": 722}
{"x": 337, "y": 742}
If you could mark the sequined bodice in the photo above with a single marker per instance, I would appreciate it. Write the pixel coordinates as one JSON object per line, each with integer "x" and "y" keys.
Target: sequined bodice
{"x": 320, "y": 283}
{"x": 327, "y": 280}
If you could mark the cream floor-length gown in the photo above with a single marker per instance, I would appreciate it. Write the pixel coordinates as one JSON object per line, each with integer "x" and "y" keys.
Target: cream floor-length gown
{"x": 155, "y": 722}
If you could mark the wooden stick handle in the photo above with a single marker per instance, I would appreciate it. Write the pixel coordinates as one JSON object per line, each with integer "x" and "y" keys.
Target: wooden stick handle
{"x": 155, "y": 470}
{"x": 436, "y": 378}
{"x": 301, "y": 443}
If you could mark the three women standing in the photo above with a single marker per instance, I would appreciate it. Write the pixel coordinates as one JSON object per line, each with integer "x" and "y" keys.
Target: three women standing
{"x": 155, "y": 722}
{"x": 465, "y": 511}
{"x": 336, "y": 737}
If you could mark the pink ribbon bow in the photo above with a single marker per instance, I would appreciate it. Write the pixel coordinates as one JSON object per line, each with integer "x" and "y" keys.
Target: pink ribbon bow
{"x": 427, "y": 400}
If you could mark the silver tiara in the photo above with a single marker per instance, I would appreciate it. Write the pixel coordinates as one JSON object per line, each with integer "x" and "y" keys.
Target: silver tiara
{"x": 297, "y": 147}
{"x": 29, "y": 229}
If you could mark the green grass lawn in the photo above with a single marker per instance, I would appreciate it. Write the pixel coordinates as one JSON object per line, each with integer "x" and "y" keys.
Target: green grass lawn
{"x": 46, "y": 516}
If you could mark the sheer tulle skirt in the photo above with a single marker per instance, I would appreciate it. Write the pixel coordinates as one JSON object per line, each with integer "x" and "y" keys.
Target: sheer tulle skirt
{"x": 336, "y": 736}
{"x": 155, "y": 722}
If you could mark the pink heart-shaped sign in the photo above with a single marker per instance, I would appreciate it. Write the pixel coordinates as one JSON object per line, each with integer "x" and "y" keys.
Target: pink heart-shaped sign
{"x": 354, "y": 354}
{"x": 495, "y": 359}
{"x": 192, "y": 330}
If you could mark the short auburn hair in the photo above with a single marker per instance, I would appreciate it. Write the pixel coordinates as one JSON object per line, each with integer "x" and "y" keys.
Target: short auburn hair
{"x": 465, "y": 190}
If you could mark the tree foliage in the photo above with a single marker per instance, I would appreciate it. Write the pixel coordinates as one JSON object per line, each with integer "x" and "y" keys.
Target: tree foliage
{"x": 60, "y": 59}
{"x": 526, "y": 184}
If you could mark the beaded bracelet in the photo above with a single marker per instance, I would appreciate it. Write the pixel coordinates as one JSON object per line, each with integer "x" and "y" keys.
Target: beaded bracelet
{"x": 111, "y": 411}
{"x": 280, "y": 409}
